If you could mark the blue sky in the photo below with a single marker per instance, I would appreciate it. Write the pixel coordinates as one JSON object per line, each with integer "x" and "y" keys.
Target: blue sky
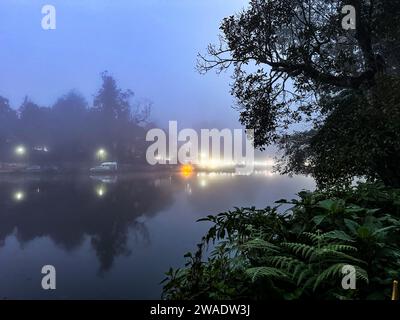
{"x": 150, "y": 46}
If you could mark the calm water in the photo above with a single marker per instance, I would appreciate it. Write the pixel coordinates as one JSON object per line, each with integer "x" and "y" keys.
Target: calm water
{"x": 114, "y": 237}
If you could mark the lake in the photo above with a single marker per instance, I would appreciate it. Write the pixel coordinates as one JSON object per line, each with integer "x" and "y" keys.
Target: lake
{"x": 114, "y": 237}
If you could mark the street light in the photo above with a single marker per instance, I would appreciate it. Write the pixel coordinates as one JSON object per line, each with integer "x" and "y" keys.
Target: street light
{"x": 101, "y": 154}
{"x": 19, "y": 196}
{"x": 20, "y": 151}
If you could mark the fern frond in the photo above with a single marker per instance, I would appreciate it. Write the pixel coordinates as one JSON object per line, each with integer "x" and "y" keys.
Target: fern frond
{"x": 338, "y": 247}
{"x": 327, "y": 253}
{"x": 283, "y": 262}
{"x": 362, "y": 274}
{"x": 265, "y": 272}
{"x": 315, "y": 238}
{"x": 328, "y": 273}
{"x": 260, "y": 244}
{"x": 300, "y": 248}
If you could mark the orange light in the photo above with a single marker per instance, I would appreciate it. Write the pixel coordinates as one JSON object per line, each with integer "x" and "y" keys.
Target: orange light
{"x": 187, "y": 170}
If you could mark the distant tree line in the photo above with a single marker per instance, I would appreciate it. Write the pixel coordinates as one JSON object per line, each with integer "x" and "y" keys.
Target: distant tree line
{"x": 73, "y": 131}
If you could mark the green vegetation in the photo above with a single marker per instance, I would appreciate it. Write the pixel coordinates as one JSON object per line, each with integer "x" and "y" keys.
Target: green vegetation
{"x": 296, "y": 250}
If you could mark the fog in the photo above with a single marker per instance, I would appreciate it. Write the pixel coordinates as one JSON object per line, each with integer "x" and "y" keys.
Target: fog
{"x": 149, "y": 47}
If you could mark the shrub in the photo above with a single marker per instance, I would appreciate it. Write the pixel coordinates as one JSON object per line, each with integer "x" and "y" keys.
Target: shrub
{"x": 296, "y": 250}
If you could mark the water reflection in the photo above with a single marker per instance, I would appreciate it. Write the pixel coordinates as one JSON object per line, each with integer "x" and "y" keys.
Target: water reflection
{"x": 115, "y": 236}
{"x": 68, "y": 210}
{"x": 19, "y": 196}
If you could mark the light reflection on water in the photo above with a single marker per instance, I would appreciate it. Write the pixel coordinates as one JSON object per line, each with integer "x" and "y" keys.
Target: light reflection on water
{"x": 114, "y": 237}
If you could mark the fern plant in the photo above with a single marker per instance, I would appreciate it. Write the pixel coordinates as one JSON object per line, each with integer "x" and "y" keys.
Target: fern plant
{"x": 315, "y": 262}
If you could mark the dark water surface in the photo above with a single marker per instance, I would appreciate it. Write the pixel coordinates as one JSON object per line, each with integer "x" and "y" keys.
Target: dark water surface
{"x": 114, "y": 237}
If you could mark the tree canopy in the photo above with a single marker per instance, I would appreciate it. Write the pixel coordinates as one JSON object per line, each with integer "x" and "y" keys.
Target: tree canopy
{"x": 295, "y": 64}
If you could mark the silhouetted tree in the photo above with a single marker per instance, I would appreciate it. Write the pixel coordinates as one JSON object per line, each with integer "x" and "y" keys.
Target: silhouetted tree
{"x": 294, "y": 63}
{"x": 117, "y": 121}
{"x": 69, "y": 117}
{"x": 34, "y": 127}
{"x": 8, "y": 123}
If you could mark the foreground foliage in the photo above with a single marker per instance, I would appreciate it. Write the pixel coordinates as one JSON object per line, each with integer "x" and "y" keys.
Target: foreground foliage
{"x": 297, "y": 252}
